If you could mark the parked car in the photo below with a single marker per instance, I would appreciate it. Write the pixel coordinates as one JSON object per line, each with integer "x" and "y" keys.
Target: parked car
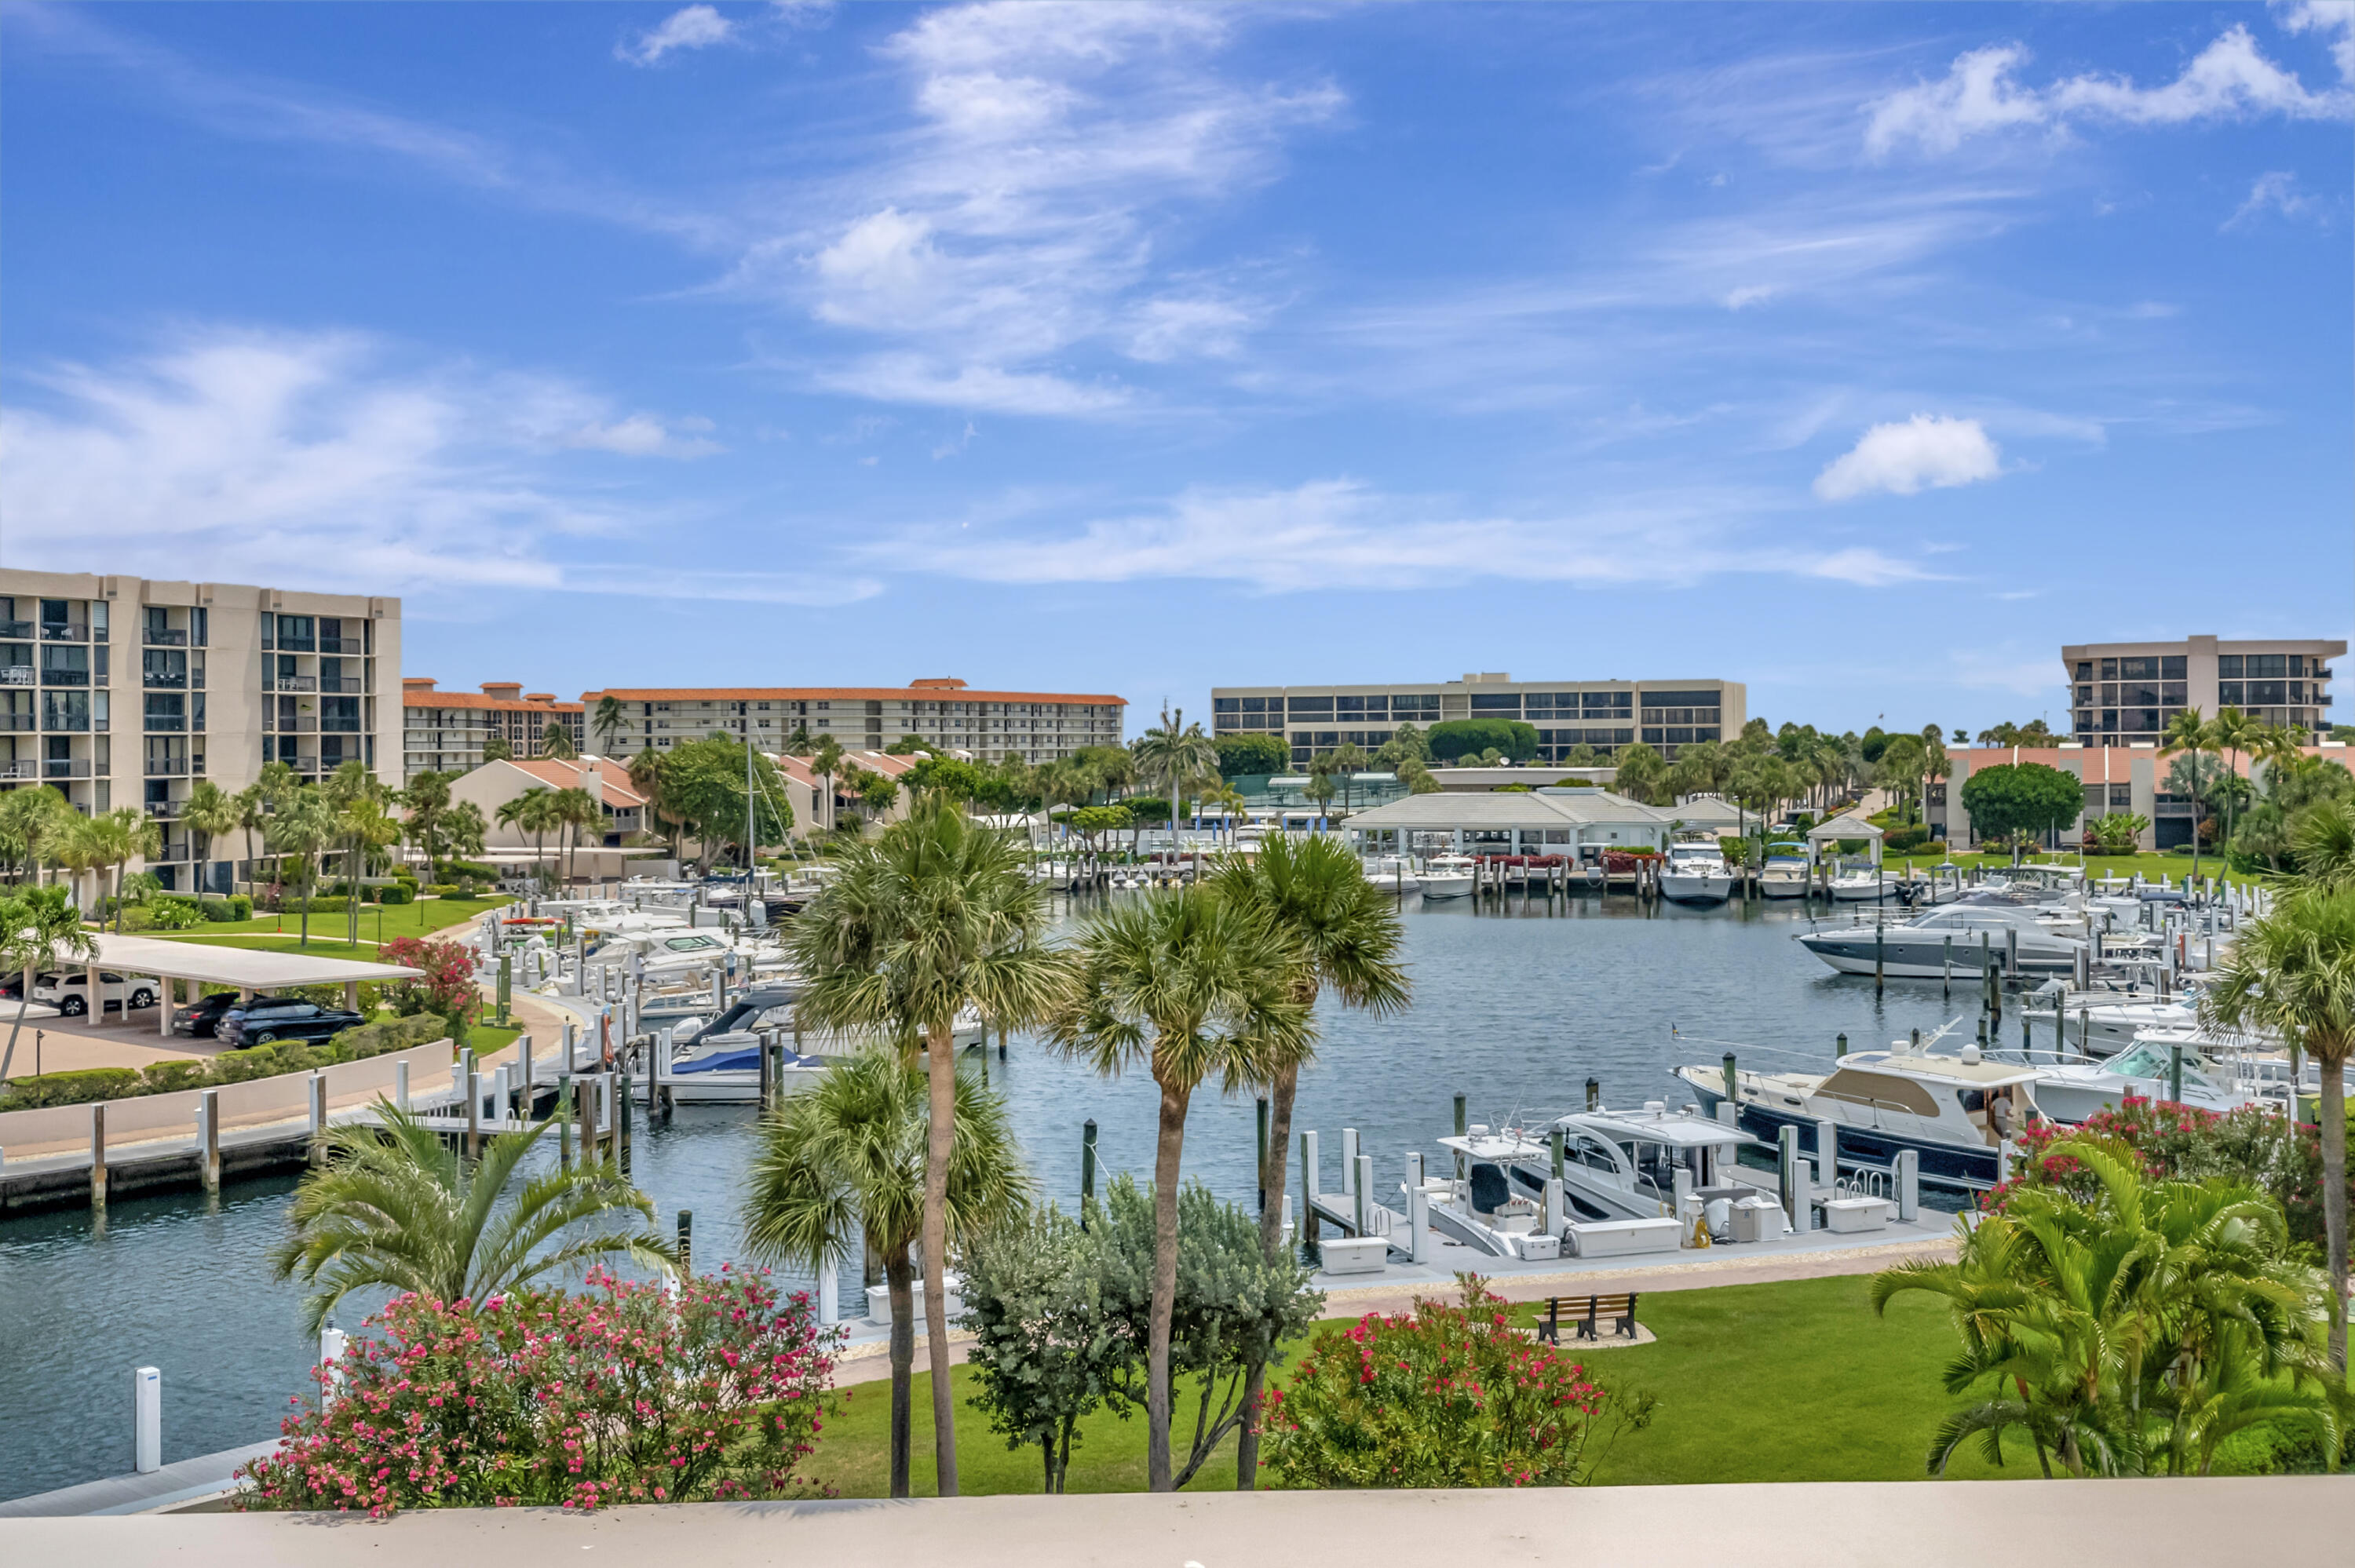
{"x": 70, "y": 992}
{"x": 266, "y": 1019}
{"x": 204, "y": 1019}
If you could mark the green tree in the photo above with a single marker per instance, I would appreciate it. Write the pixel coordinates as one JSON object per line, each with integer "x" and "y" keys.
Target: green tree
{"x": 841, "y": 1165}
{"x": 399, "y": 1208}
{"x": 2232, "y": 733}
{"x": 2021, "y": 798}
{"x": 39, "y": 926}
{"x": 1173, "y": 756}
{"x": 2290, "y": 974}
{"x": 111, "y": 840}
{"x": 958, "y": 779}
{"x": 1186, "y": 985}
{"x": 931, "y": 917}
{"x": 303, "y": 827}
{"x": 210, "y": 812}
{"x": 1253, "y": 756}
{"x": 2186, "y": 732}
{"x": 577, "y": 810}
{"x": 556, "y": 743}
{"x": 1340, "y": 935}
{"x": 1903, "y": 762}
{"x": 1457, "y": 739}
{"x": 496, "y": 749}
{"x": 1407, "y": 744}
{"x": 1047, "y": 1349}
{"x": 33, "y": 822}
{"x": 610, "y": 721}
{"x": 906, "y": 745}
{"x": 1642, "y": 775}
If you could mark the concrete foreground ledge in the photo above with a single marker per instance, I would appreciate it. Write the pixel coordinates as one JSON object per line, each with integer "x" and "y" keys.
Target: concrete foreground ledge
{"x": 1918, "y": 1524}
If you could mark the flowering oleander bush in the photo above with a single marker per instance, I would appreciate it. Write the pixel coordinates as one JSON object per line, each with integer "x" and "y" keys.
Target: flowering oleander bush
{"x": 1447, "y": 1395}
{"x": 620, "y": 1394}
{"x": 2183, "y": 1143}
{"x": 447, "y": 986}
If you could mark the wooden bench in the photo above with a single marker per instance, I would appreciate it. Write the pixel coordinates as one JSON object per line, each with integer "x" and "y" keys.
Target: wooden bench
{"x": 1586, "y": 1313}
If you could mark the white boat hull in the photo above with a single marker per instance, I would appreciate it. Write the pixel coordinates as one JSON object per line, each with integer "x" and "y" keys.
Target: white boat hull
{"x": 1453, "y": 885}
{"x": 1774, "y": 884}
{"x": 1697, "y": 887}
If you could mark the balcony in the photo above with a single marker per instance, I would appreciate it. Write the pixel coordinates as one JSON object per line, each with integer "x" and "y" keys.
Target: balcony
{"x": 340, "y": 645}
{"x": 17, "y": 675}
{"x": 341, "y": 686}
{"x": 166, "y": 811}
{"x": 24, "y": 768}
{"x": 11, "y": 722}
{"x": 65, "y": 677}
{"x": 154, "y": 638}
{"x": 167, "y": 723}
{"x": 289, "y": 682}
{"x": 162, "y": 681}
{"x": 302, "y": 723}
{"x": 166, "y": 767}
{"x": 65, "y": 631}
{"x": 65, "y": 768}
{"x": 21, "y": 630}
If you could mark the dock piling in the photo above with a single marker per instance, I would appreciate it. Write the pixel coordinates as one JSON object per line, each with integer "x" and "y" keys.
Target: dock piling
{"x": 400, "y": 1084}
{"x": 1794, "y": 1201}
{"x": 686, "y": 1243}
{"x": 1733, "y": 1084}
{"x": 1593, "y": 1093}
{"x": 1348, "y": 1163}
{"x": 98, "y": 1154}
{"x": 1261, "y": 1169}
{"x": 474, "y": 1116}
{"x": 147, "y": 1421}
{"x": 1361, "y": 1193}
{"x": 209, "y": 1170}
{"x": 1909, "y": 1183}
{"x": 1087, "y": 1168}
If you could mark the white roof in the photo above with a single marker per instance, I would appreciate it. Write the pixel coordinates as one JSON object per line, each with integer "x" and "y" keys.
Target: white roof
{"x": 244, "y": 966}
{"x": 1513, "y": 808}
{"x": 1843, "y": 827}
{"x": 1674, "y": 1128}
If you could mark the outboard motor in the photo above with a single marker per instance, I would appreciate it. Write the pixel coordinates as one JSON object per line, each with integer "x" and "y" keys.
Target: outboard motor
{"x": 1490, "y": 1191}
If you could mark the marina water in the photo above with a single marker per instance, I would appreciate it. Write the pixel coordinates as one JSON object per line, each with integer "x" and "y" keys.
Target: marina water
{"x": 1515, "y": 1011}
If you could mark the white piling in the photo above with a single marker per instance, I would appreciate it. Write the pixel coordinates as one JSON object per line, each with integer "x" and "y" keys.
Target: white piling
{"x": 1827, "y": 1153}
{"x": 332, "y": 1340}
{"x": 1348, "y": 1163}
{"x": 147, "y": 1420}
{"x": 1793, "y": 1185}
{"x": 400, "y": 1085}
{"x": 1364, "y": 1194}
{"x": 1909, "y": 1183}
{"x": 1554, "y": 1206}
{"x": 1312, "y": 1175}
{"x": 829, "y": 1293}
{"x": 1419, "y": 1247}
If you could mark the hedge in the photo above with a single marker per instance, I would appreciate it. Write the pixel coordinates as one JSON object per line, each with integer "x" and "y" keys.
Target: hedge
{"x": 282, "y": 1057}
{"x": 399, "y": 892}
{"x": 70, "y": 1088}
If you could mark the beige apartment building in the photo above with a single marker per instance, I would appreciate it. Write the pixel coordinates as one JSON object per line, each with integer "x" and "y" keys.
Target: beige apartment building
{"x": 1604, "y": 714}
{"x": 123, "y": 691}
{"x": 2126, "y": 694}
{"x": 945, "y": 714}
{"x": 444, "y": 732}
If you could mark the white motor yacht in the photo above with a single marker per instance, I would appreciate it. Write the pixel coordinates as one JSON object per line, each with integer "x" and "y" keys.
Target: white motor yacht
{"x": 1952, "y": 1111}
{"x": 1785, "y": 873}
{"x": 1948, "y": 940}
{"x": 1864, "y": 884}
{"x": 1695, "y": 873}
{"x": 2076, "y": 1091}
{"x": 1446, "y": 876}
{"x": 1393, "y": 874}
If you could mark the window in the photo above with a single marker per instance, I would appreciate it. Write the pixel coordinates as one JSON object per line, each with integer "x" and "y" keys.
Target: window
{"x": 2121, "y": 796}
{"x": 2229, "y": 692}
{"x": 2268, "y": 693}
{"x": 1606, "y": 702}
{"x": 1416, "y": 707}
{"x": 2171, "y": 667}
{"x": 1226, "y": 705}
{"x": 2173, "y": 692}
{"x": 1310, "y": 707}
{"x": 1496, "y": 703}
{"x": 2110, "y": 670}
{"x": 166, "y": 712}
{"x": 2228, "y": 666}
{"x": 65, "y": 664}
{"x": 2084, "y": 669}
{"x": 2269, "y": 664}
{"x": 1679, "y": 700}
{"x": 295, "y": 635}
{"x": 2138, "y": 692}
{"x": 2142, "y": 668}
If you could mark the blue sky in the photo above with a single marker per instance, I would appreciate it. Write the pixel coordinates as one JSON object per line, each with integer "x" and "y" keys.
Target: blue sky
{"x": 1864, "y": 354}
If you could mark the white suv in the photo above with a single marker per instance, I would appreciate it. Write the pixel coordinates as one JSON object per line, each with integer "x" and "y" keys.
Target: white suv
{"x": 70, "y": 992}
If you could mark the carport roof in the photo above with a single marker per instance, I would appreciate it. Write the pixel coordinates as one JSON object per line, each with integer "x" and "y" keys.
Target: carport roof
{"x": 244, "y": 966}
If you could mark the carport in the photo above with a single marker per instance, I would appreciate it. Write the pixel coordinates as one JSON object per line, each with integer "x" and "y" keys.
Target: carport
{"x": 195, "y": 964}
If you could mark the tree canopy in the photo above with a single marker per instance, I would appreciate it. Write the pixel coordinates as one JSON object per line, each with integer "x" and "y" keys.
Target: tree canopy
{"x": 1252, "y": 755}
{"x": 1461, "y": 737}
{"x": 2025, "y": 796}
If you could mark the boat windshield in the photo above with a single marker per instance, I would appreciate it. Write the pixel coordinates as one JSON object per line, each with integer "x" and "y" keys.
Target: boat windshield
{"x": 2148, "y": 1061}
{"x": 692, "y": 944}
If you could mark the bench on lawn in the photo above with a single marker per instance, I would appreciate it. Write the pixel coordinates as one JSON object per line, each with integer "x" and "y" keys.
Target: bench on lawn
{"x": 1586, "y": 1313}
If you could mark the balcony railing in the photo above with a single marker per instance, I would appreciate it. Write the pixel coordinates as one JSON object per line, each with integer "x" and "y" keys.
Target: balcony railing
{"x": 65, "y": 631}
{"x": 24, "y": 768}
{"x": 343, "y": 686}
{"x": 167, "y": 723}
{"x": 166, "y": 811}
{"x": 167, "y": 767}
{"x": 17, "y": 675}
{"x": 289, "y": 682}
{"x": 301, "y": 724}
{"x": 65, "y": 768}
{"x": 65, "y": 677}
{"x": 340, "y": 645}
{"x": 20, "y": 629}
{"x": 154, "y": 638}
{"x": 163, "y": 680}
{"x": 12, "y": 721}
{"x": 340, "y": 725}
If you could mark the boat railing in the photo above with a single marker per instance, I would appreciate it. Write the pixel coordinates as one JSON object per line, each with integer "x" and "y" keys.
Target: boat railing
{"x": 1866, "y": 1182}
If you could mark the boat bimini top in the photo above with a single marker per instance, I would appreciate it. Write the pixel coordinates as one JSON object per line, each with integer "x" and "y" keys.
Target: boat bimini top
{"x": 1656, "y": 1124}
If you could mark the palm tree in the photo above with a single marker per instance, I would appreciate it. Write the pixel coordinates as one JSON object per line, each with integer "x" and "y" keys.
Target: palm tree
{"x": 846, "y": 1159}
{"x": 1641, "y": 774}
{"x": 2291, "y": 973}
{"x": 2187, "y": 731}
{"x": 32, "y": 822}
{"x": 303, "y": 827}
{"x": 610, "y": 720}
{"x": 574, "y": 809}
{"x": 1174, "y": 755}
{"x": 556, "y": 744}
{"x": 825, "y": 764}
{"x": 537, "y": 813}
{"x": 929, "y": 919}
{"x": 398, "y": 1207}
{"x": 1342, "y": 935}
{"x": 367, "y": 828}
{"x": 36, "y": 926}
{"x": 1186, "y": 984}
{"x": 2232, "y": 733}
{"x": 209, "y": 813}
{"x": 112, "y": 840}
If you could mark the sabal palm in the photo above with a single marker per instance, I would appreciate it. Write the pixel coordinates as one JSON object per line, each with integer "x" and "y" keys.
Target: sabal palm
{"x": 210, "y": 812}
{"x": 398, "y": 1207}
{"x": 931, "y": 917}
{"x": 2291, "y": 973}
{"x": 2324, "y": 841}
{"x": 576, "y": 809}
{"x": 116, "y": 839}
{"x": 610, "y": 721}
{"x": 845, "y": 1159}
{"x": 2187, "y": 731}
{"x": 556, "y": 742}
{"x": 303, "y": 826}
{"x": 38, "y": 927}
{"x": 366, "y": 828}
{"x": 2232, "y": 733}
{"x": 1174, "y": 754}
{"x": 1186, "y": 984}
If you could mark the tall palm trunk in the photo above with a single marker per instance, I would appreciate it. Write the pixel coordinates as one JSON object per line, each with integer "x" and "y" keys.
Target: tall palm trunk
{"x": 940, "y": 1077}
{"x": 1169, "y": 1148}
{"x": 899, "y": 1275}
{"x": 2334, "y": 1191}
{"x": 1280, "y": 1094}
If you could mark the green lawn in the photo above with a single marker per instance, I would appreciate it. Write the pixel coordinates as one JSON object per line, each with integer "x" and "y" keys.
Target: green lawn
{"x": 1795, "y": 1382}
{"x": 283, "y": 933}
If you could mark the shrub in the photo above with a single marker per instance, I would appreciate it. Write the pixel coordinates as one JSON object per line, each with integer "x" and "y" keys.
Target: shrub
{"x": 618, "y": 1395}
{"x": 250, "y": 1063}
{"x": 169, "y": 912}
{"x": 1903, "y": 839}
{"x": 446, "y": 987}
{"x": 444, "y": 890}
{"x": 399, "y": 892}
{"x": 240, "y": 906}
{"x": 166, "y": 1077}
{"x": 366, "y": 1040}
{"x": 473, "y": 869}
{"x": 77, "y": 1087}
{"x": 1446, "y": 1396}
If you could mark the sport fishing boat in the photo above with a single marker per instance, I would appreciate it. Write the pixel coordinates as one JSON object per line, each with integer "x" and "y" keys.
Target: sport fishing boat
{"x": 1863, "y": 884}
{"x": 1695, "y": 873}
{"x": 1446, "y": 876}
{"x": 719, "y": 1059}
{"x": 1952, "y": 1111}
{"x": 1949, "y": 939}
{"x": 1785, "y": 873}
{"x": 2076, "y": 1091}
{"x": 1393, "y": 874}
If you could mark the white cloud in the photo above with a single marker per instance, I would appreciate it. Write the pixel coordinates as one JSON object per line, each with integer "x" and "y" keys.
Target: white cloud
{"x": 2273, "y": 192}
{"x": 251, "y": 456}
{"x": 2230, "y": 78}
{"x": 1337, "y": 533}
{"x": 2326, "y": 18}
{"x": 913, "y": 378}
{"x": 695, "y": 27}
{"x": 1927, "y": 450}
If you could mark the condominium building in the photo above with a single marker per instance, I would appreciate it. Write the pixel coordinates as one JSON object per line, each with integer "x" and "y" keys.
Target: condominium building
{"x": 1037, "y": 726}
{"x": 2124, "y": 693}
{"x": 213, "y": 680}
{"x": 444, "y": 732}
{"x": 1604, "y": 714}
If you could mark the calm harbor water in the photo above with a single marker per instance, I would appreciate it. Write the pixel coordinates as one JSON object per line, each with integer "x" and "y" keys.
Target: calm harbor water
{"x": 1515, "y": 1011}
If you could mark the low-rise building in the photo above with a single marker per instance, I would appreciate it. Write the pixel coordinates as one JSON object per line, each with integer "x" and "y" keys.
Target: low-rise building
{"x": 2126, "y": 694}
{"x": 2131, "y": 780}
{"x": 124, "y": 690}
{"x": 1567, "y": 714}
{"x": 945, "y": 714}
{"x": 1579, "y": 824}
{"x": 445, "y": 731}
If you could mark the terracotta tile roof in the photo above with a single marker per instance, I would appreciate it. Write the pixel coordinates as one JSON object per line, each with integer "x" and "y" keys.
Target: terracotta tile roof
{"x": 840, "y": 694}
{"x": 612, "y": 778}
{"x": 425, "y": 697}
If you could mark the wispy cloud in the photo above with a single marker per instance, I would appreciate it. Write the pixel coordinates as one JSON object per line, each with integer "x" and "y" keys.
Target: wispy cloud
{"x": 2274, "y": 192}
{"x": 1929, "y": 449}
{"x": 231, "y": 452}
{"x": 1340, "y": 534}
{"x": 694, "y": 28}
{"x": 1981, "y": 94}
